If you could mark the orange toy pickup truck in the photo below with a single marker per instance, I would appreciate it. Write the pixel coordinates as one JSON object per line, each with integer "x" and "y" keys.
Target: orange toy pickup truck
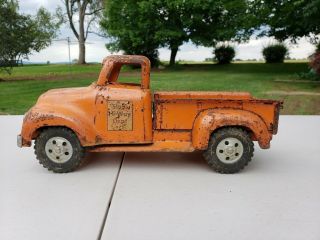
{"x": 109, "y": 116}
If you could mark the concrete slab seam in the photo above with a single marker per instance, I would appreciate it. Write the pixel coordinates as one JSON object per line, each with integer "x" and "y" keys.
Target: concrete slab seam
{"x": 110, "y": 200}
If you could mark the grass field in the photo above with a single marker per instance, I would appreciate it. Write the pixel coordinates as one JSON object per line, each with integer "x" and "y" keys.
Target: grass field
{"x": 20, "y": 90}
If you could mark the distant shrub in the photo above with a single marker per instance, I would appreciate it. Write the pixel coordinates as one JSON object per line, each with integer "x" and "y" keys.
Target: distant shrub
{"x": 275, "y": 53}
{"x": 224, "y": 54}
{"x": 315, "y": 63}
{"x": 311, "y": 75}
{"x": 209, "y": 59}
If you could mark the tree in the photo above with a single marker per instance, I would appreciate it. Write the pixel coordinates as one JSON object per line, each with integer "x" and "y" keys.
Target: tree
{"x": 170, "y": 23}
{"x": 85, "y": 12}
{"x": 204, "y": 22}
{"x": 220, "y": 22}
{"x": 288, "y": 19}
{"x": 171, "y": 17}
{"x": 21, "y": 34}
{"x": 131, "y": 28}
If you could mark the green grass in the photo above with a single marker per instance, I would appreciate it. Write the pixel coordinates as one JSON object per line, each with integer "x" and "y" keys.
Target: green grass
{"x": 16, "y": 96}
{"x": 35, "y": 71}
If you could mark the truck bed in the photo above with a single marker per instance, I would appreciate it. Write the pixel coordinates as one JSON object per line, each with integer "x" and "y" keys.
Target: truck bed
{"x": 178, "y": 110}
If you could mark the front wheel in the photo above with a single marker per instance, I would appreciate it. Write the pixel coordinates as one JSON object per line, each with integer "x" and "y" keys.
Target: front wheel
{"x": 59, "y": 150}
{"x": 229, "y": 150}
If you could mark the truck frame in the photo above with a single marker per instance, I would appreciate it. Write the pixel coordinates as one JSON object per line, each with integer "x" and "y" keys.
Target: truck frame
{"x": 111, "y": 116}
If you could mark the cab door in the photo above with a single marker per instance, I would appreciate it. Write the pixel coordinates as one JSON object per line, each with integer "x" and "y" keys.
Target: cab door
{"x": 123, "y": 115}
{"x": 123, "y": 110}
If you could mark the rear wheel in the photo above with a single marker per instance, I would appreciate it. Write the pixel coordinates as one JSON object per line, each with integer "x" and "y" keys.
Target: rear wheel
{"x": 229, "y": 150}
{"x": 59, "y": 150}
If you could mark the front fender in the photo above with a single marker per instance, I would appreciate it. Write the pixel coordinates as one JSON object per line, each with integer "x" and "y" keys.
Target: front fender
{"x": 37, "y": 118}
{"x": 209, "y": 120}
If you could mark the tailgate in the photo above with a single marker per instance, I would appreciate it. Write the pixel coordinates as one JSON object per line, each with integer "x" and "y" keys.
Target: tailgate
{"x": 268, "y": 110}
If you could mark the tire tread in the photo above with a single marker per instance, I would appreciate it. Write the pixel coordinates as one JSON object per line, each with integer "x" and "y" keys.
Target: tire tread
{"x": 40, "y": 140}
{"x": 218, "y": 166}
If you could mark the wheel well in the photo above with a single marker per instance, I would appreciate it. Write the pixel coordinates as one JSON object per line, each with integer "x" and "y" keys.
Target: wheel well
{"x": 39, "y": 130}
{"x": 248, "y": 130}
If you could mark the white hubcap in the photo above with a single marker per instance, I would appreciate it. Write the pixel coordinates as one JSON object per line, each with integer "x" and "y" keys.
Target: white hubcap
{"x": 58, "y": 149}
{"x": 229, "y": 150}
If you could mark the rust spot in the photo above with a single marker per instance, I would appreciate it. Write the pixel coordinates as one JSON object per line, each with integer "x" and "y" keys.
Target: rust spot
{"x": 98, "y": 139}
{"x": 38, "y": 117}
{"x": 83, "y": 138}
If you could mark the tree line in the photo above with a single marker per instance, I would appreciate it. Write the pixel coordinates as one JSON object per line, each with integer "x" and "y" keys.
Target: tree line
{"x": 141, "y": 27}
{"x": 144, "y": 26}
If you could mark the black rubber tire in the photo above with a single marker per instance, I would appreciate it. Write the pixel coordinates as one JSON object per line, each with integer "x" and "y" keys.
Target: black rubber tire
{"x": 76, "y": 159}
{"x": 221, "y": 167}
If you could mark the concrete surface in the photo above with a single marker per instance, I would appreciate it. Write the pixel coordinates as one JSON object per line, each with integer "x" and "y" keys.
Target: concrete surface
{"x": 177, "y": 196}
{"x": 38, "y": 204}
{"x": 165, "y": 195}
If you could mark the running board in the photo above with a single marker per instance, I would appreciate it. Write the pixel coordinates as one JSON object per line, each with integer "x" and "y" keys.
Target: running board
{"x": 161, "y": 146}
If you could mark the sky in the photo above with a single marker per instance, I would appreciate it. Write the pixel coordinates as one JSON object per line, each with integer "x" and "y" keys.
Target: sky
{"x": 96, "y": 51}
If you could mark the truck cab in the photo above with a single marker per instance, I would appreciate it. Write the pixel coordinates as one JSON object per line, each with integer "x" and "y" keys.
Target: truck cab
{"x": 125, "y": 107}
{"x": 112, "y": 116}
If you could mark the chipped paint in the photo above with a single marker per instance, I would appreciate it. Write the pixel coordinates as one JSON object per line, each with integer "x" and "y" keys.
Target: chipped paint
{"x": 37, "y": 117}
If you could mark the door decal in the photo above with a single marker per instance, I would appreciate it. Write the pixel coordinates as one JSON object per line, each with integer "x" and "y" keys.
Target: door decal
{"x": 119, "y": 116}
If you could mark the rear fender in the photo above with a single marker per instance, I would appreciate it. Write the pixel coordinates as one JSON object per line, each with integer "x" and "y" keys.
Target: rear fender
{"x": 209, "y": 120}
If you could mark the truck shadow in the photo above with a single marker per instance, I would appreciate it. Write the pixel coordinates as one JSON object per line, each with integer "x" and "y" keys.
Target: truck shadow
{"x": 165, "y": 160}
{"x": 161, "y": 160}
{"x": 148, "y": 160}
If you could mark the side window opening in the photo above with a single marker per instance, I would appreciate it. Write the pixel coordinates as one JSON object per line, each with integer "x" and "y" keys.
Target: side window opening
{"x": 130, "y": 74}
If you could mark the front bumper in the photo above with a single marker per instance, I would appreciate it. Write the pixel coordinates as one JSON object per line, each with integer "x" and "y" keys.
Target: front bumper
{"x": 19, "y": 141}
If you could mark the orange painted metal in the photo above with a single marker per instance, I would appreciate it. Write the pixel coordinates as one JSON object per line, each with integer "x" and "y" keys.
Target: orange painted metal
{"x": 210, "y": 120}
{"x": 113, "y": 116}
{"x": 160, "y": 146}
{"x": 112, "y": 64}
{"x": 204, "y": 114}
